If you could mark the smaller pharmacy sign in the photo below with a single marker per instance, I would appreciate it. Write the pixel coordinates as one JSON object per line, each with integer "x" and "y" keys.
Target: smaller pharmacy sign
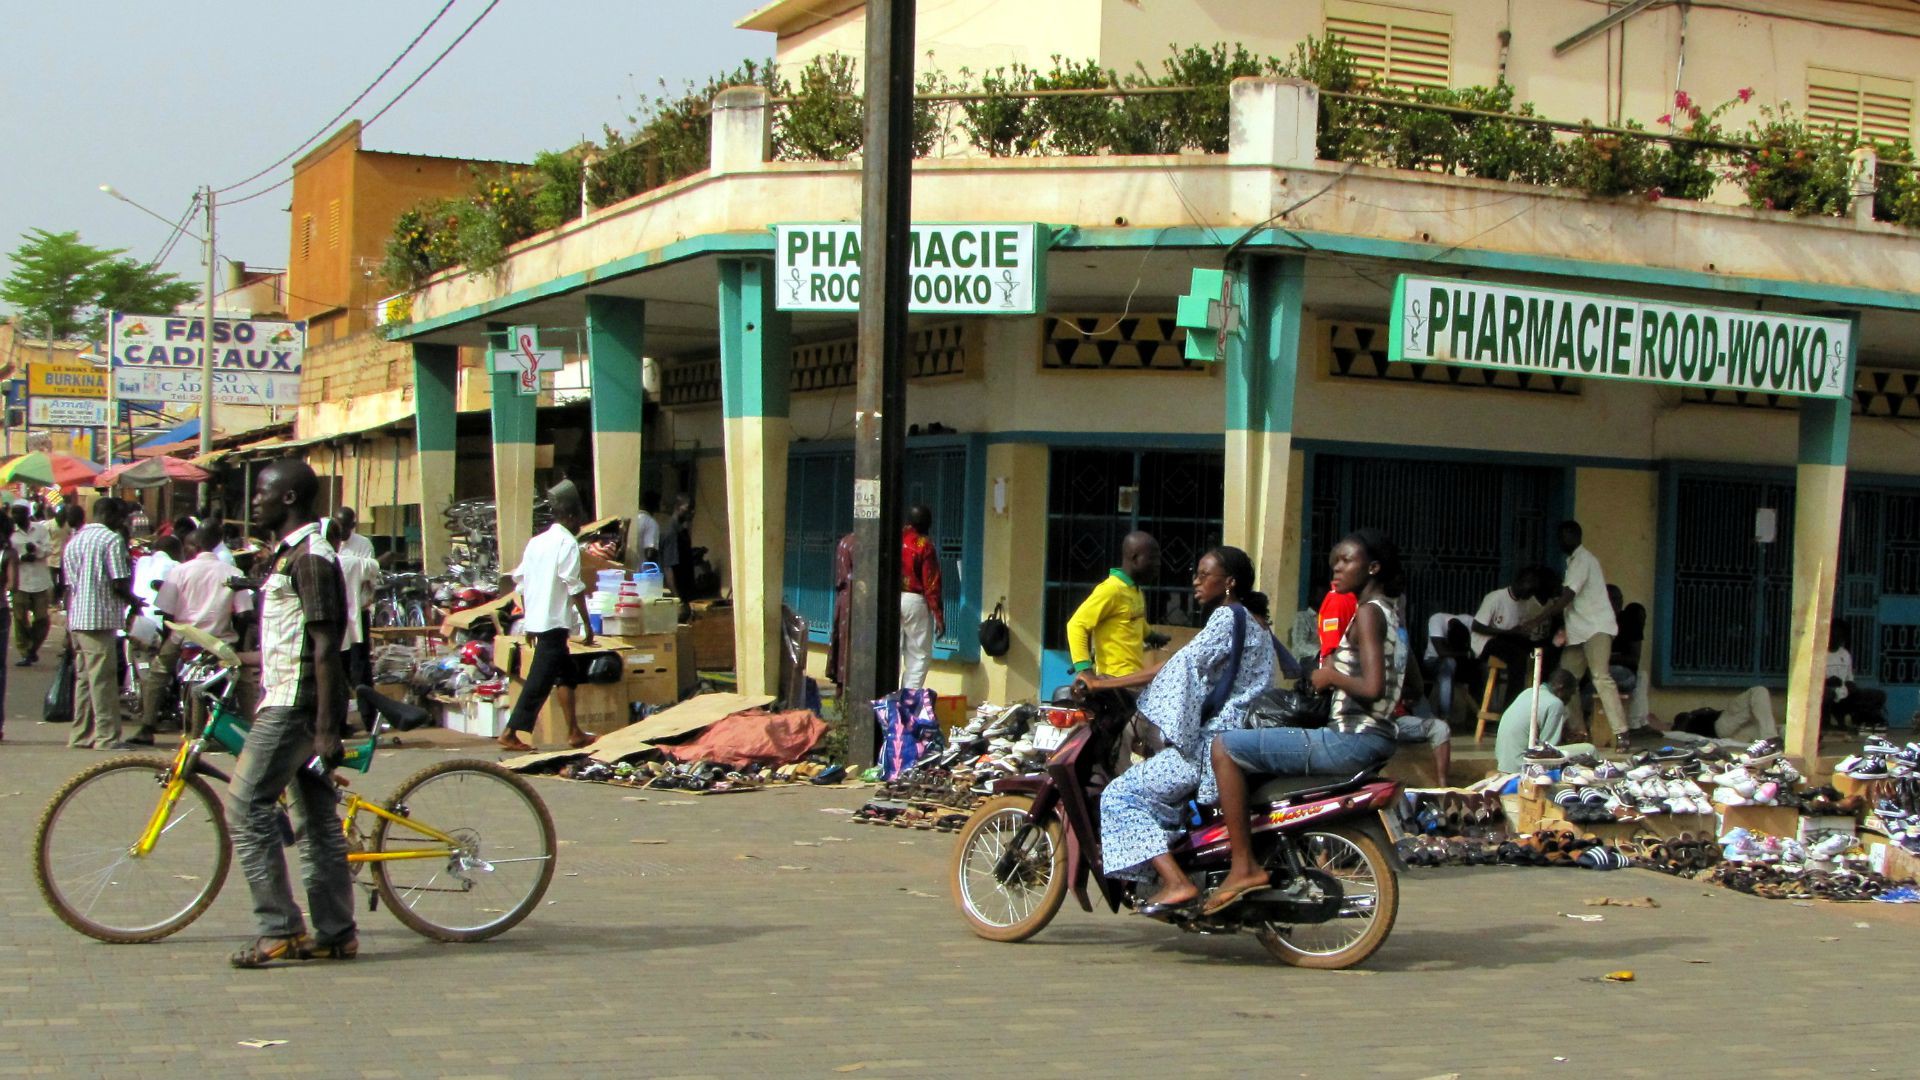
{"x": 954, "y": 269}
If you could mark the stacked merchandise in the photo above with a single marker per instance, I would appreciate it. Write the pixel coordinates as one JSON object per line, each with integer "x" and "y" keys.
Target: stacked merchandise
{"x": 1895, "y": 775}
{"x": 940, "y": 790}
{"x": 702, "y": 777}
{"x": 1552, "y": 844}
{"x": 1665, "y": 781}
{"x": 1829, "y": 868}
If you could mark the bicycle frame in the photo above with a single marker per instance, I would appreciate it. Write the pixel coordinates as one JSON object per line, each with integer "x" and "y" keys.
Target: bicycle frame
{"x": 355, "y": 804}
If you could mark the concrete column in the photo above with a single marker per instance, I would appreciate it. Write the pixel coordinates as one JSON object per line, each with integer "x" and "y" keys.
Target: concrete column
{"x": 1262, "y": 368}
{"x": 742, "y": 133}
{"x": 616, "y": 340}
{"x": 513, "y": 437}
{"x": 1009, "y": 572}
{"x": 1271, "y": 124}
{"x": 756, "y": 359}
{"x": 1820, "y": 488}
{"x": 436, "y": 430}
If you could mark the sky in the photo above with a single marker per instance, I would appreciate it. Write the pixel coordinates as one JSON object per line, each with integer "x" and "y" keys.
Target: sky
{"x": 158, "y": 99}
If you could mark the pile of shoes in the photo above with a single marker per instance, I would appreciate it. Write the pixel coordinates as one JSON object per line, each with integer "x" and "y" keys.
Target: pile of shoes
{"x": 1895, "y": 817}
{"x": 1546, "y": 847}
{"x": 900, "y": 815}
{"x": 996, "y": 742}
{"x": 1783, "y": 881}
{"x": 1455, "y": 813}
{"x": 1669, "y": 780}
{"x": 1757, "y": 777}
{"x": 1683, "y": 855}
{"x": 1882, "y": 760}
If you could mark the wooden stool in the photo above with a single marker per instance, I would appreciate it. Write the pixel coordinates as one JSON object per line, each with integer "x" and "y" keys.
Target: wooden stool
{"x": 1496, "y": 669}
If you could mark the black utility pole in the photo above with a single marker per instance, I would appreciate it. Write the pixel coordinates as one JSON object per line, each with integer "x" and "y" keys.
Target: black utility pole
{"x": 880, "y": 414}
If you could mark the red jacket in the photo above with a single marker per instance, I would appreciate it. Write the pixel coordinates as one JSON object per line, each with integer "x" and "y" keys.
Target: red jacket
{"x": 920, "y": 568}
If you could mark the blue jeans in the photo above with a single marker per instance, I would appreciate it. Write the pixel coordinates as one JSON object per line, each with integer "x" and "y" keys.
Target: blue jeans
{"x": 1305, "y": 751}
{"x": 278, "y": 744}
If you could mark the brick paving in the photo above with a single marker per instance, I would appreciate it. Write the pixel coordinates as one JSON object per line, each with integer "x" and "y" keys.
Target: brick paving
{"x": 766, "y": 937}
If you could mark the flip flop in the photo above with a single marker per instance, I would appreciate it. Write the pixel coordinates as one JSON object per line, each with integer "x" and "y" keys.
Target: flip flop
{"x": 582, "y": 740}
{"x": 516, "y": 745}
{"x": 1221, "y": 899}
{"x": 1166, "y": 912}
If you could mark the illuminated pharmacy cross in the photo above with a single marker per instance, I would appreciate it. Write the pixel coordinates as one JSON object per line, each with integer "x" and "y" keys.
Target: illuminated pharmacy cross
{"x": 526, "y": 359}
{"x": 1207, "y": 313}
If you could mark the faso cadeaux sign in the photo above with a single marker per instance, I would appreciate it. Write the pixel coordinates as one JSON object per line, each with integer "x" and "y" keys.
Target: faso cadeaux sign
{"x": 954, "y": 269}
{"x": 160, "y": 358}
{"x": 1489, "y": 325}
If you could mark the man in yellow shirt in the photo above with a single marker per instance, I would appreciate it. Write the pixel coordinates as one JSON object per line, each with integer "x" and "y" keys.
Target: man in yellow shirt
{"x": 1107, "y": 634}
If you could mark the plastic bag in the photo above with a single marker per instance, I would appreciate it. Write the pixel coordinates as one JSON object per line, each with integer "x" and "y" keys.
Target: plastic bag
{"x": 59, "y": 704}
{"x": 1297, "y": 707}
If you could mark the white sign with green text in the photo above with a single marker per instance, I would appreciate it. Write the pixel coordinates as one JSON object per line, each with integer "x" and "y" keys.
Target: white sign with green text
{"x": 954, "y": 269}
{"x": 1514, "y": 328}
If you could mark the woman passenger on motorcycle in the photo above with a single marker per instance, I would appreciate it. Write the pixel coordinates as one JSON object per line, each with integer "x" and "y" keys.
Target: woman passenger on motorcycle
{"x": 1365, "y": 671}
{"x": 1145, "y": 806}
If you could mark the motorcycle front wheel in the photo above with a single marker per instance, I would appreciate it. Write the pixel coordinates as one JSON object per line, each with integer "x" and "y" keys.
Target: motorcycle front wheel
{"x": 1369, "y": 902}
{"x": 1035, "y": 884}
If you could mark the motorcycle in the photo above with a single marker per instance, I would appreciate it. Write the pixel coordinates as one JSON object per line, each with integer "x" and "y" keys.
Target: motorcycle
{"x": 1323, "y": 839}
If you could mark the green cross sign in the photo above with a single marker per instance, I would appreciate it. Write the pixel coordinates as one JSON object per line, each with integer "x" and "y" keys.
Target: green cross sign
{"x": 1207, "y": 313}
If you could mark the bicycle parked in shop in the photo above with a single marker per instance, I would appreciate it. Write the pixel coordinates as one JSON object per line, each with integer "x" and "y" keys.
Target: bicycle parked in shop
{"x": 462, "y": 851}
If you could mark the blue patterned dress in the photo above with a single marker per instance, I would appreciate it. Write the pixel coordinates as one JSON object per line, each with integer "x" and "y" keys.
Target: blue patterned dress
{"x": 1143, "y": 810}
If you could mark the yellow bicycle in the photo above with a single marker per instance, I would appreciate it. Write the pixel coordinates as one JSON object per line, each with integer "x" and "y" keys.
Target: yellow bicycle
{"x": 119, "y": 866}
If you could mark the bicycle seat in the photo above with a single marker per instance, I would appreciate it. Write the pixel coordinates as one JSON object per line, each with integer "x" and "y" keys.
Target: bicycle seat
{"x": 1295, "y": 788}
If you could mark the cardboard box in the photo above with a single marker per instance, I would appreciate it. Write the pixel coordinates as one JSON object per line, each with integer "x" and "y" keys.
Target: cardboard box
{"x": 1812, "y": 827}
{"x": 1781, "y": 821}
{"x": 478, "y": 716}
{"x": 712, "y": 640}
{"x": 950, "y": 711}
{"x": 1901, "y": 864}
{"x": 598, "y": 707}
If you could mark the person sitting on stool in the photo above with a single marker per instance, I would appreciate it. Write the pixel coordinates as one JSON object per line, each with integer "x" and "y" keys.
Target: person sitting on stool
{"x": 550, "y": 583}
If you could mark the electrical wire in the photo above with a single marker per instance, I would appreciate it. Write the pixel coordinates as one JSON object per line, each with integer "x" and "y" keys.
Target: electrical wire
{"x": 179, "y": 230}
{"x": 395, "y": 100}
{"x": 328, "y": 126}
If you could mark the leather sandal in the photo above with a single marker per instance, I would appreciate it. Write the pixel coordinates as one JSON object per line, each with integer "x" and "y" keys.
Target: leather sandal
{"x": 271, "y": 952}
{"x": 339, "y": 950}
{"x": 506, "y": 742}
{"x": 582, "y": 740}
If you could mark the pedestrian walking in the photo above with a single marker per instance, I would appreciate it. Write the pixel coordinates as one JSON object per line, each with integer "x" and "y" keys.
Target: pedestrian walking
{"x": 99, "y": 594}
{"x": 922, "y": 617}
{"x": 33, "y": 550}
{"x": 552, "y": 592}
{"x": 302, "y": 712}
{"x": 361, "y": 576}
{"x": 65, "y": 519}
{"x": 9, "y": 578}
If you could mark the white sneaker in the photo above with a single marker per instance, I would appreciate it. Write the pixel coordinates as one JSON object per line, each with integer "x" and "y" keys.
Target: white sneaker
{"x": 1729, "y": 796}
{"x": 1643, "y": 772}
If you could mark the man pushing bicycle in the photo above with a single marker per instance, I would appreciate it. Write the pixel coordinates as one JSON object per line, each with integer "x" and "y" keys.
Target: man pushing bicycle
{"x": 303, "y": 700}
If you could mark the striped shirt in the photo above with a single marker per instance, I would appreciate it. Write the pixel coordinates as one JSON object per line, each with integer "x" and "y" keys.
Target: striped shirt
{"x": 303, "y": 589}
{"x": 96, "y": 557}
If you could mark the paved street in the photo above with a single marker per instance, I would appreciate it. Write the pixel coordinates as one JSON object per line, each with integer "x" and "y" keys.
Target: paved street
{"x": 763, "y": 934}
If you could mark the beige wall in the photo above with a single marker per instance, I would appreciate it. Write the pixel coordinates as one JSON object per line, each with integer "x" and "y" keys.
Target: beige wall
{"x": 977, "y": 34}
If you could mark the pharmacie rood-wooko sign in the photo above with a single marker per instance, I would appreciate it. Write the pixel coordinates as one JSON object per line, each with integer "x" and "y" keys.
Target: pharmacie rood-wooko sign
{"x": 955, "y": 269}
{"x": 160, "y": 358}
{"x": 1490, "y": 325}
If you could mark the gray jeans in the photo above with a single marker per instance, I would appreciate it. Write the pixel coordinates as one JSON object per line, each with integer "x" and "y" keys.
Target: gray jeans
{"x": 278, "y": 744}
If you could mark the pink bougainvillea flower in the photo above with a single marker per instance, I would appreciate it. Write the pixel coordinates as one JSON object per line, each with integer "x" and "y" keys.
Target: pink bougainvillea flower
{"x": 1681, "y": 100}
{"x": 1745, "y": 94}
{"x": 1667, "y": 120}
{"x": 1694, "y": 112}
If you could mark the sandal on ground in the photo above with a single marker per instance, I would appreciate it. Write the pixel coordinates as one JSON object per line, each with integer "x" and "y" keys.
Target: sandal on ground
{"x": 582, "y": 740}
{"x": 513, "y": 744}
{"x": 270, "y": 952}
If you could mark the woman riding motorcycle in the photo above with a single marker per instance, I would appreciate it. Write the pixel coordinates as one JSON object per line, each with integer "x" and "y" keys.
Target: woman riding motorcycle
{"x": 1203, "y": 690}
{"x": 1365, "y": 671}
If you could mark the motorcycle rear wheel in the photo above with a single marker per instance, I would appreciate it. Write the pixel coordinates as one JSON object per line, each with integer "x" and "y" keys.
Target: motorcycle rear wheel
{"x": 1008, "y": 911}
{"x": 1355, "y": 860}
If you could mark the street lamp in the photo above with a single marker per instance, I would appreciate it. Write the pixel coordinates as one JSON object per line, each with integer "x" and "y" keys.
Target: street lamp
{"x": 206, "y": 356}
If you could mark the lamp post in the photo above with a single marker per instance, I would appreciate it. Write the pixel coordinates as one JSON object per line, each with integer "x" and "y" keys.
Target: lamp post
{"x": 206, "y": 326}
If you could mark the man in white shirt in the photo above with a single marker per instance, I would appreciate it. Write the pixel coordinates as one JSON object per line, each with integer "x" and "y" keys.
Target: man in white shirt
{"x": 33, "y": 552}
{"x": 1856, "y": 706}
{"x": 151, "y": 570}
{"x": 1509, "y": 626}
{"x": 552, "y": 591}
{"x": 195, "y": 593}
{"x": 1589, "y": 628}
{"x": 361, "y": 575}
{"x": 643, "y": 539}
{"x": 351, "y": 541}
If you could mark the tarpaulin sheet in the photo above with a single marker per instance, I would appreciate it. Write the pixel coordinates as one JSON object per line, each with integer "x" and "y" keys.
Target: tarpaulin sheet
{"x": 756, "y": 737}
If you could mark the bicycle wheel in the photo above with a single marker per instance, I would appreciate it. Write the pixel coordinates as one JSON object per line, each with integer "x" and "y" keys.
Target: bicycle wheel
{"x": 85, "y": 865}
{"x": 496, "y": 875}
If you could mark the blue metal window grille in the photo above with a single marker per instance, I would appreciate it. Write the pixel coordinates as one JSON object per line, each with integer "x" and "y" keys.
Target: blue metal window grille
{"x": 947, "y": 475}
{"x": 1177, "y": 495}
{"x": 1463, "y": 528}
{"x": 1729, "y": 621}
